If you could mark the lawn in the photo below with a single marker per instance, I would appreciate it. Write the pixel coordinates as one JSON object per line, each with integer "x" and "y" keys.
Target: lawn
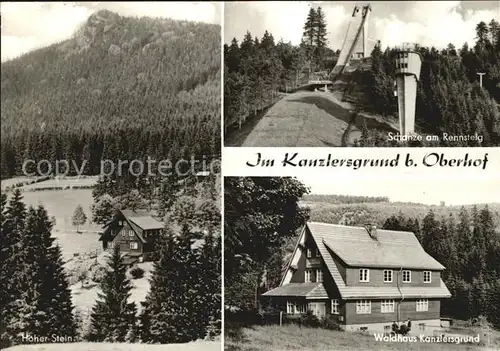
{"x": 84, "y": 346}
{"x": 292, "y": 337}
{"x": 61, "y": 204}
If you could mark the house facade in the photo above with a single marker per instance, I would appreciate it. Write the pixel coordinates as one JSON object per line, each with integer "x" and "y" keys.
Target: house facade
{"x": 364, "y": 277}
{"x": 135, "y": 232}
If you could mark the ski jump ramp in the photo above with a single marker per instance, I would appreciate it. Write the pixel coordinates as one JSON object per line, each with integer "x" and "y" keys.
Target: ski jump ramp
{"x": 355, "y": 44}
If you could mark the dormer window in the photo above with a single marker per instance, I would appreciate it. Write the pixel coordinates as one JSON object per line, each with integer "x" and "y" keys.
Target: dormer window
{"x": 364, "y": 275}
{"x": 309, "y": 253}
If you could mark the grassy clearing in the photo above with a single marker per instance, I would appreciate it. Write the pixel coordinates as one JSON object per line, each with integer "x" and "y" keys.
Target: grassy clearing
{"x": 291, "y": 337}
{"x": 300, "y": 119}
{"x": 84, "y": 346}
{"x": 308, "y": 119}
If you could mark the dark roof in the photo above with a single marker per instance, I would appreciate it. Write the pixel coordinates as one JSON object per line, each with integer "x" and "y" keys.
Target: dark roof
{"x": 142, "y": 219}
{"x": 391, "y": 249}
{"x": 354, "y": 247}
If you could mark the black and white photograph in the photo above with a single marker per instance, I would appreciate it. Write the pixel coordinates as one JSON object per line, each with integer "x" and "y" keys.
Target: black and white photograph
{"x": 313, "y": 263}
{"x": 348, "y": 74}
{"x": 110, "y": 176}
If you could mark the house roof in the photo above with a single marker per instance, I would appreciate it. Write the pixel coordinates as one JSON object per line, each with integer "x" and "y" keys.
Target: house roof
{"x": 308, "y": 290}
{"x": 142, "y": 219}
{"x": 356, "y": 248}
{"x": 391, "y": 249}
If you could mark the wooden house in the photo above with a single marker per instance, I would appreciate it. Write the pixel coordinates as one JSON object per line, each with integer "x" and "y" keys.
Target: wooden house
{"x": 135, "y": 231}
{"x": 363, "y": 277}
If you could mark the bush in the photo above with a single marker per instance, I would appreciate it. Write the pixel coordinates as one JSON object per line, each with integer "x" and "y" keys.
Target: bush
{"x": 330, "y": 323}
{"x": 97, "y": 273}
{"x": 137, "y": 272}
{"x": 308, "y": 319}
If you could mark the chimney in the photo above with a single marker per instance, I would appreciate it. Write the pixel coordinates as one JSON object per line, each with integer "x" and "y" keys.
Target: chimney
{"x": 372, "y": 230}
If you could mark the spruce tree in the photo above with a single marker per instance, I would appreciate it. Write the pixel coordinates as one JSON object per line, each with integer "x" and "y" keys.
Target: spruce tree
{"x": 46, "y": 278}
{"x": 113, "y": 316}
{"x": 12, "y": 264}
{"x": 320, "y": 40}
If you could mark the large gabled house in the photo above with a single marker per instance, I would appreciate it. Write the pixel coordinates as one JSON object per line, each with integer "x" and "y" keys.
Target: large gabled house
{"x": 135, "y": 231}
{"x": 364, "y": 277}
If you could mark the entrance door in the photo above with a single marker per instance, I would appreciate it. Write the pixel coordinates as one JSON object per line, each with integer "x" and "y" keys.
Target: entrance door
{"x": 318, "y": 309}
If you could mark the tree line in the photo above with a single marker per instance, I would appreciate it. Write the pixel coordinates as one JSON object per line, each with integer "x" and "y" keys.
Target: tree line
{"x": 119, "y": 89}
{"x": 468, "y": 245}
{"x": 257, "y": 68}
{"x": 344, "y": 199}
{"x": 183, "y": 302}
{"x": 449, "y": 98}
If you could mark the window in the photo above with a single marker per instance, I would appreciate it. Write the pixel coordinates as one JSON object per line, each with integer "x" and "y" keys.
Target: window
{"x": 316, "y": 252}
{"x": 421, "y": 327}
{"x": 422, "y": 305}
{"x": 308, "y": 276}
{"x": 130, "y": 232}
{"x": 406, "y": 276}
{"x": 405, "y": 65}
{"x": 309, "y": 253}
{"x": 387, "y": 306}
{"x": 335, "y": 306}
{"x": 364, "y": 275}
{"x": 134, "y": 245}
{"x": 111, "y": 245}
{"x": 363, "y": 307}
{"x": 387, "y": 276}
{"x": 290, "y": 307}
{"x": 427, "y": 276}
{"x": 300, "y": 308}
{"x": 319, "y": 275}
{"x": 124, "y": 233}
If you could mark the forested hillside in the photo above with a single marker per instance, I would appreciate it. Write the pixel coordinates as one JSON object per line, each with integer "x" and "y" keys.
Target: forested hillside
{"x": 120, "y": 88}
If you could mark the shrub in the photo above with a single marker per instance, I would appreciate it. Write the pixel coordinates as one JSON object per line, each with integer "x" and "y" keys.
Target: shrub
{"x": 330, "y": 323}
{"x": 308, "y": 319}
{"x": 137, "y": 272}
{"x": 98, "y": 273}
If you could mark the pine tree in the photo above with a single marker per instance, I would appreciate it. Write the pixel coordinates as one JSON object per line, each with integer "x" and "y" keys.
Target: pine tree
{"x": 309, "y": 33}
{"x": 13, "y": 216}
{"x": 79, "y": 218}
{"x": 113, "y": 316}
{"x": 165, "y": 314}
{"x": 103, "y": 209}
{"x": 320, "y": 40}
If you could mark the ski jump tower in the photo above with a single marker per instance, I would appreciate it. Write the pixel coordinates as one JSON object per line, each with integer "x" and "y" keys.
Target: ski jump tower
{"x": 408, "y": 64}
{"x": 355, "y": 44}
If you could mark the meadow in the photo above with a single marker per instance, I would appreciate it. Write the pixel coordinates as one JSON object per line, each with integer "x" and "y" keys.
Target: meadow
{"x": 293, "y": 337}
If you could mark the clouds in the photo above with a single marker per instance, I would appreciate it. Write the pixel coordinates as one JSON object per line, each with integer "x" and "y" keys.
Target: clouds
{"x": 430, "y": 23}
{"x": 28, "y": 26}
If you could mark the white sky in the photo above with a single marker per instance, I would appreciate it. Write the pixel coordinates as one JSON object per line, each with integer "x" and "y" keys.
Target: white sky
{"x": 28, "y": 26}
{"x": 451, "y": 191}
{"x": 429, "y": 23}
